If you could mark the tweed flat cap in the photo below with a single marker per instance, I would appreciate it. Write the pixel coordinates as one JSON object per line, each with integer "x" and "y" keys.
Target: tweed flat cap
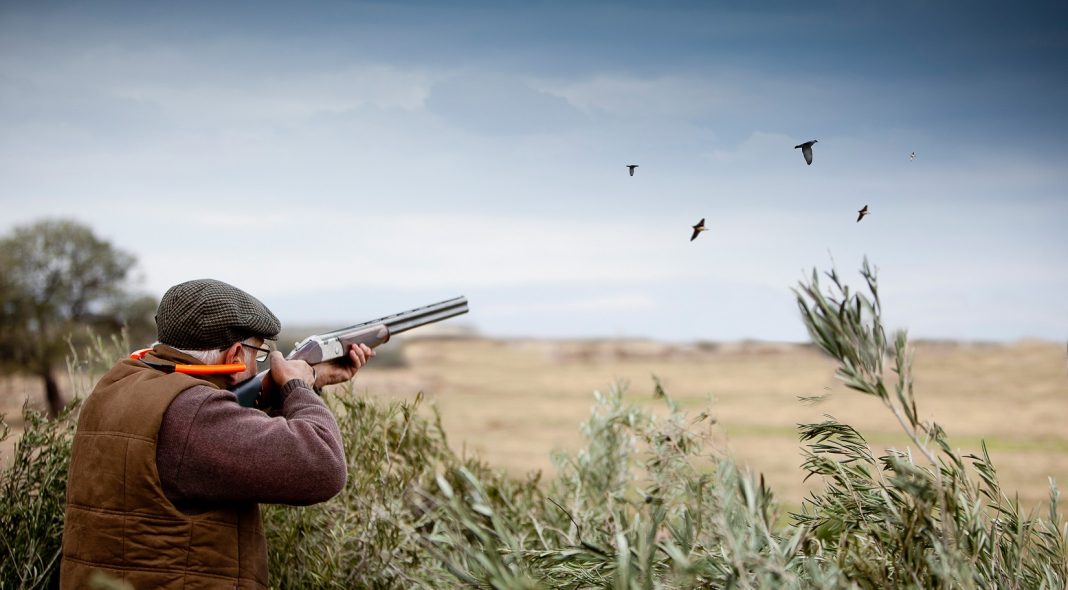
{"x": 206, "y": 314}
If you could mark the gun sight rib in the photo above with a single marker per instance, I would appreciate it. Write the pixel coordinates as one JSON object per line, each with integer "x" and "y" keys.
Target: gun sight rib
{"x": 406, "y": 320}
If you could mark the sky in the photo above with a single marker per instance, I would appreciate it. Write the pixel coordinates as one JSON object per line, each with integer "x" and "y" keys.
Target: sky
{"x": 347, "y": 160}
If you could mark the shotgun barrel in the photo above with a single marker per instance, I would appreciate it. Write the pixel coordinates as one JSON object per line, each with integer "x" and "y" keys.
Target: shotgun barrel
{"x": 321, "y": 348}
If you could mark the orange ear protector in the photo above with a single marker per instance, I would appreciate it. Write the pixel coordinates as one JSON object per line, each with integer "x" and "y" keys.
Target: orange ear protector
{"x": 139, "y": 355}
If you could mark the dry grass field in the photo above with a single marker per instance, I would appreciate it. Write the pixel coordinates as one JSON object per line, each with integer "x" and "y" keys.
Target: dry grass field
{"x": 514, "y": 401}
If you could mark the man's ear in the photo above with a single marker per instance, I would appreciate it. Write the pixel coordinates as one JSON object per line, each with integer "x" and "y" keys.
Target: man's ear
{"x": 232, "y": 354}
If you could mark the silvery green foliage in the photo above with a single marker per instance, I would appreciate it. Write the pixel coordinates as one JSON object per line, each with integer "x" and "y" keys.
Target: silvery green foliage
{"x": 33, "y": 489}
{"x": 643, "y": 505}
{"x": 912, "y": 517}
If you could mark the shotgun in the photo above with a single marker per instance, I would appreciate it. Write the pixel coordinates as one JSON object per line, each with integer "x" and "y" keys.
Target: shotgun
{"x": 321, "y": 348}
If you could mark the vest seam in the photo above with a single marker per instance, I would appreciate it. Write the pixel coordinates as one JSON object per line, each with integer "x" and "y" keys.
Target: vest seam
{"x": 119, "y": 434}
{"x": 188, "y": 541}
{"x": 151, "y": 570}
{"x": 188, "y": 550}
{"x": 125, "y": 504}
{"x": 85, "y": 508}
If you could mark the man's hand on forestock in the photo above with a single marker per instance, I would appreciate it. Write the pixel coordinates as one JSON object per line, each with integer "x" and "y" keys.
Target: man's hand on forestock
{"x": 342, "y": 369}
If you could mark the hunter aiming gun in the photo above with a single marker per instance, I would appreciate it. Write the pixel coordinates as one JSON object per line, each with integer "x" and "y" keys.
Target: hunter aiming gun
{"x": 331, "y": 345}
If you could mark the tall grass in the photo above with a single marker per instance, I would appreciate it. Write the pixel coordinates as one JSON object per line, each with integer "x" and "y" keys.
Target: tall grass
{"x": 646, "y": 503}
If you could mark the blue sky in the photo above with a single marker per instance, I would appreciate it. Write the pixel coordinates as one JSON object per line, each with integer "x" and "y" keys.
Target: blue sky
{"x": 345, "y": 160}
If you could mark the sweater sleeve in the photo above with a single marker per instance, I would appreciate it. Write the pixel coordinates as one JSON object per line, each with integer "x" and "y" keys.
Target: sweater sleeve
{"x": 210, "y": 449}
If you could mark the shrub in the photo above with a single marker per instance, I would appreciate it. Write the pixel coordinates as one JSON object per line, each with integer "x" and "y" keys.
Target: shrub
{"x": 33, "y": 485}
{"x": 33, "y": 490}
{"x": 634, "y": 510}
{"x": 366, "y": 536}
{"x": 893, "y": 520}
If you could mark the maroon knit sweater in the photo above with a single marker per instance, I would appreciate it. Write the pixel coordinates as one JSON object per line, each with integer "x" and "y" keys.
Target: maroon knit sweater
{"x": 210, "y": 449}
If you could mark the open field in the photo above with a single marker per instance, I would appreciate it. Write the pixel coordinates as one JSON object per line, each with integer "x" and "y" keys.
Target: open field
{"x": 514, "y": 401}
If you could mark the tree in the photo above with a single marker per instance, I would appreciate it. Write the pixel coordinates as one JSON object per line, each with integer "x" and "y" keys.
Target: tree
{"x": 56, "y": 280}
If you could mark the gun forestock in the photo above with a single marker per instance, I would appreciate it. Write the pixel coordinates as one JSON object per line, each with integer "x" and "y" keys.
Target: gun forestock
{"x": 325, "y": 347}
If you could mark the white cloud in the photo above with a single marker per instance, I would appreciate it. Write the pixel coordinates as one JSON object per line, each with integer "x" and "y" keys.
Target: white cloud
{"x": 759, "y": 147}
{"x": 285, "y": 95}
{"x": 620, "y": 302}
{"x": 341, "y": 250}
{"x": 495, "y": 104}
{"x": 675, "y": 97}
{"x": 160, "y": 86}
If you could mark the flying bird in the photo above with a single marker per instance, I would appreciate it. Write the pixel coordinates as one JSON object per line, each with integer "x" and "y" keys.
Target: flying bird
{"x": 863, "y": 212}
{"x": 806, "y": 150}
{"x": 912, "y": 156}
{"x": 697, "y": 229}
{"x": 632, "y": 167}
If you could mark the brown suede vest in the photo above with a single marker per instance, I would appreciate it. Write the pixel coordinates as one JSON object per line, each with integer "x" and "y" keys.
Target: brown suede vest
{"x": 118, "y": 519}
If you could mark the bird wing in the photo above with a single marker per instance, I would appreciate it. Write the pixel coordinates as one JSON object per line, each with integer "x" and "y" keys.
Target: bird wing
{"x": 806, "y": 150}
{"x": 697, "y": 229}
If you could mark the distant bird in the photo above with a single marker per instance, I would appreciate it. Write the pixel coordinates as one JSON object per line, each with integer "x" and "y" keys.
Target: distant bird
{"x": 912, "y": 156}
{"x": 632, "y": 167}
{"x": 806, "y": 150}
{"x": 863, "y": 212}
{"x": 697, "y": 229}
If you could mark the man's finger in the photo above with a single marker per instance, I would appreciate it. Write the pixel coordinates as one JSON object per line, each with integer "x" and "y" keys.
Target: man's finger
{"x": 274, "y": 358}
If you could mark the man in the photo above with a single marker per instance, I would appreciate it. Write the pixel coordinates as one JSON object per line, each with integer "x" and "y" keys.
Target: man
{"x": 167, "y": 470}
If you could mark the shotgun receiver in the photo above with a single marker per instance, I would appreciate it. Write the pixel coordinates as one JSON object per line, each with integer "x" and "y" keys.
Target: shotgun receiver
{"x": 321, "y": 348}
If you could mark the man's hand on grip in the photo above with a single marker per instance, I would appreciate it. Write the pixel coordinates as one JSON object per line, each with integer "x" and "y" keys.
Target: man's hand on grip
{"x": 345, "y": 368}
{"x": 283, "y": 371}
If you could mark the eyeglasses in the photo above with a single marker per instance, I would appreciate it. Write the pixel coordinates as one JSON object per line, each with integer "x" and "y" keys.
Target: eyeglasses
{"x": 261, "y": 353}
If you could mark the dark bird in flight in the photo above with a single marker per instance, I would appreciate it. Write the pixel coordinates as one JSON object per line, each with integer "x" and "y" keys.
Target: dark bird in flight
{"x": 632, "y": 167}
{"x": 862, "y": 213}
{"x": 806, "y": 150}
{"x": 912, "y": 156}
{"x": 697, "y": 229}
